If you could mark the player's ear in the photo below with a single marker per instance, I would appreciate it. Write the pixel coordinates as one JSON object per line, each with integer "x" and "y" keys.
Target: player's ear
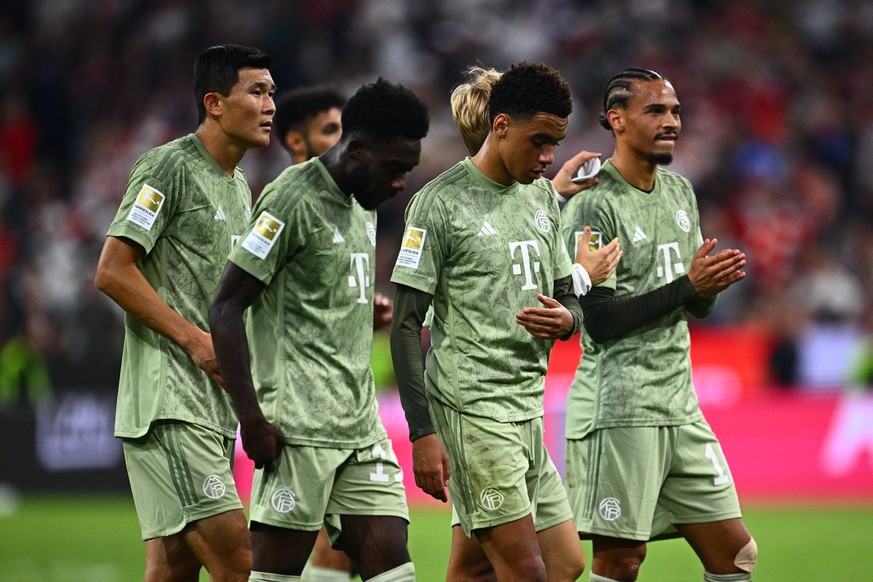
{"x": 212, "y": 104}
{"x": 296, "y": 144}
{"x": 501, "y": 125}
{"x": 615, "y": 119}
{"x": 355, "y": 149}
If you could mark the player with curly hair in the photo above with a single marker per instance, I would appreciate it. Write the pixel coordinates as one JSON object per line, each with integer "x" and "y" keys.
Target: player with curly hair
{"x": 306, "y": 396}
{"x": 482, "y": 245}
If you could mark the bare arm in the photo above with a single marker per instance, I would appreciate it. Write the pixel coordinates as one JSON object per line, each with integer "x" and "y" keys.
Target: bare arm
{"x": 119, "y": 277}
{"x": 236, "y": 292}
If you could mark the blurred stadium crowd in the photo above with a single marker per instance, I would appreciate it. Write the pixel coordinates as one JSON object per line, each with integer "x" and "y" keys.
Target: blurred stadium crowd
{"x": 777, "y": 139}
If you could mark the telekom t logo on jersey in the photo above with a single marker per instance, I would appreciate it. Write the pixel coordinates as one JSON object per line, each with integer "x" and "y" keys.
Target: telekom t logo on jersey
{"x": 528, "y": 264}
{"x": 360, "y": 277}
{"x": 670, "y": 269}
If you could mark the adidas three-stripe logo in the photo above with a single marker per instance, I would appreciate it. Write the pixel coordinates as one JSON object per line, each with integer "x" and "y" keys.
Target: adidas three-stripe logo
{"x": 486, "y": 229}
{"x": 219, "y": 214}
{"x": 639, "y": 235}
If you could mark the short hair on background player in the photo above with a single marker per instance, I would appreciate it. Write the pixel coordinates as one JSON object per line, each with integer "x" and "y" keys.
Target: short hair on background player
{"x": 217, "y": 70}
{"x": 619, "y": 90}
{"x": 470, "y": 106}
{"x": 526, "y": 89}
{"x": 385, "y": 111}
{"x": 295, "y": 108}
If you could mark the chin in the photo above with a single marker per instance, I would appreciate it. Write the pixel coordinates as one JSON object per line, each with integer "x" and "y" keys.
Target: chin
{"x": 662, "y": 159}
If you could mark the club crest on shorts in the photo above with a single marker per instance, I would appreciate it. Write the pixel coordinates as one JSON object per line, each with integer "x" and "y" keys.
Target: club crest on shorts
{"x": 543, "y": 222}
{"x": 610, "y": 509}
{"x": 284, "y": 501}
{"x": 213, "y": 487}
{"x": 491, "y": 499}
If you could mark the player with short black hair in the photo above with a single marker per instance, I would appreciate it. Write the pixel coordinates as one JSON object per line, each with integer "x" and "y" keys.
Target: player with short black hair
{"x": 306, "y": 396}
{"x": 184, "y": 205}
{"x": 482, "y": 245}
{"x": 308, "y": 120}
{"x": 642, "y": 463}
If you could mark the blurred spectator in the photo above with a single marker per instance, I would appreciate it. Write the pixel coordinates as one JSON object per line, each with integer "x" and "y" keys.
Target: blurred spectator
{"x": 86, "y": 87}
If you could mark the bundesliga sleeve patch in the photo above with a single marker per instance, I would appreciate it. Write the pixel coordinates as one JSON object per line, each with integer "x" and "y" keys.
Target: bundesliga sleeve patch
{"x": 594, "y": 243}
{"x": 411, "y": 247}
{"x": 146, "y": 207}
{"x": 264, "y": 235}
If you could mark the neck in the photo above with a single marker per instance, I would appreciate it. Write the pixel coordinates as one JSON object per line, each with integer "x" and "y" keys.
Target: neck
{"x": 488, "y": 161}
{"x": 638, "y": 172}
{"x": 225, "y": 152}
{"x": 334, "y": 162}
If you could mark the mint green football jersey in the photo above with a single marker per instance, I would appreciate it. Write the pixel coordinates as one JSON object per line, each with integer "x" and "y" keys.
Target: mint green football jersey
{"x": 484, "y": 251}
{"x": 311, "y": 331}
{"x": 644, "y": 378}
{"x": 186, "y": 212}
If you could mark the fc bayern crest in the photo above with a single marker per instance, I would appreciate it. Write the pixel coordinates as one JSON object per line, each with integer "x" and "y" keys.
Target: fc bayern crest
{"x": 543, "y": 222}
{"x": 683, "y": 221}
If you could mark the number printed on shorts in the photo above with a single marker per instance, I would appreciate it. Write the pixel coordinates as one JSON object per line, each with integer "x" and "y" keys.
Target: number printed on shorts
{"x": 713, "y": 457}
{"x": 380, "y": 476}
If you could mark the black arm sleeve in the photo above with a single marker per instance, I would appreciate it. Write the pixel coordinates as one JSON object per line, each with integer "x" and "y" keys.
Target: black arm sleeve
{"x": 410, "y": 308}
{"x": 700, "y": 306}
{"x": 609, "y": 318}
{"x": 565, "y": 296}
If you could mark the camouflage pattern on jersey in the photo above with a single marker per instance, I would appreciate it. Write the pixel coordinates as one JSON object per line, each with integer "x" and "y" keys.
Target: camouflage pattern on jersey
{"x": 644, "y": 378}
{"x": 311, "y": 332}
{"x": 186, "y": 212}
{"x": 484, "y": 251}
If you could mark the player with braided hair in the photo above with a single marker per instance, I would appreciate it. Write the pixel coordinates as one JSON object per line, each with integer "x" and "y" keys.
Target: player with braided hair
{"x": 642, "y": 463}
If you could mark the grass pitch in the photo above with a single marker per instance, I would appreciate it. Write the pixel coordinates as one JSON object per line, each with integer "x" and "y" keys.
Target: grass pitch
{"x": 96, "y": 539}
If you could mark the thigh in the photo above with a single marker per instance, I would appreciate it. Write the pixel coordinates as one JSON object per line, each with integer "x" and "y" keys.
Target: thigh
{"x": 222, "y": 544}
{"x": 375, "y": 543}
{"x": 717, "y": 543}
{"x": 614, "y": 478}
{"x": 369, "y": 482}
{"x": 489, "y": 464}
{"x": 295, "y": 494}
{"x": 513, "y": 550}
{"x": 699, "y": 487}
{"x": 561, "y": 551}
{"x": 179, "y": 473}
{"x": 549, "y": 503}
{"x": 467, "y": 560}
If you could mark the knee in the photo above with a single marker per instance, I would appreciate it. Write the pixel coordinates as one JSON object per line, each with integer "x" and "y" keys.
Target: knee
{"x": 532, "y": 569}
{"x": 747, "y": 558}
{"x": 571, "y": 569}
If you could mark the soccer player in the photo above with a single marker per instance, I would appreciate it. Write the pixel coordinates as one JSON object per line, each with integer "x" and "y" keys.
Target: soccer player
{"x": 470, "y": 111}
{"x": 306, "y": 398}
{"x": 482, "y": 244}
{"x": 641, "y": 459}
{"x": 308, "y": 121}
{"x": 184, "y": 205}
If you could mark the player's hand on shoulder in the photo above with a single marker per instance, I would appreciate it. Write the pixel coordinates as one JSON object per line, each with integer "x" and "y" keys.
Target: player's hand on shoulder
{"x": 600, "y": 264}
{"x": 563, "y": 180}
{"x": 430, "y": 464}
{"x": 710, "y": 274}
{"x": 550, "y": 322}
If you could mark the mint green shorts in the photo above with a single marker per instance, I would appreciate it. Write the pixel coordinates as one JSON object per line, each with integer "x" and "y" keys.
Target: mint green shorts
{"x": 500, "y": 471}
{"x": 314, "y": 486}
{"x": 635, "y": 483}
{"x": 179, "y": 473}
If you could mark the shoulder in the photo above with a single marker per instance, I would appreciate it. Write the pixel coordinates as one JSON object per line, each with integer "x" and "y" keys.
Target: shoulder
{"x": 286, "y": 191}
{"x": 169, "y": 160}
{"x": 671, "y": 179}
{"x": 441, "y": 192}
